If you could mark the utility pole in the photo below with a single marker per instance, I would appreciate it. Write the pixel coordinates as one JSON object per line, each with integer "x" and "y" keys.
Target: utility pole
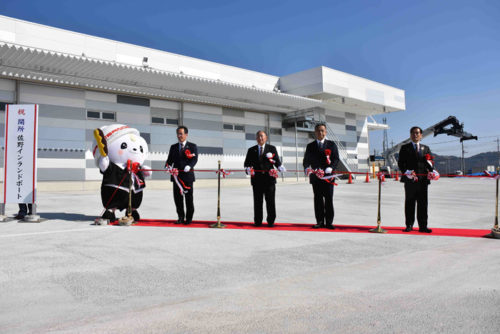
{"x": 463, "y": 159}
{"x": 462, "y": 139}
{"x": 498, "y": 151}
{"x": 385, "y": 142}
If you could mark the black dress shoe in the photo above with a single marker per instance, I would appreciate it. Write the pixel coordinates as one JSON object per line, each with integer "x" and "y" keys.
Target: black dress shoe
{"x": 136, "y": 215}
{"x": 19, "y": 216}
{"x": 179, "y": 221}
{"x": 187, "y": 222}
{"x": 425, "y": 230}
{"x": 318, "y": 225}
{"x": 270, "y": 224}
{"x": 257, "y": 224}
{"x": 408, "y": 229}
{"x": 109, "y": 215}
{"x": 330, "y": 227}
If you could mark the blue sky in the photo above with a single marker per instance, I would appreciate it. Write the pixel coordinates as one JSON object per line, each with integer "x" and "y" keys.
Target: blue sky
{"x": 444, "y": 54}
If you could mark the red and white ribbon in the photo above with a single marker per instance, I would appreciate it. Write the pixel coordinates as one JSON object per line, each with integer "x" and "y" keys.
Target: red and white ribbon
{"x": 250, "y": 171}
{"x": 134, "y": 168}
{"x": 223, "y": 173}
{"x": 430, "y": 160}
{"x": 273, "y": 173}
{"x": 330, "y": 178}
{"x": 320, "y": 174}
{"x": 411, "y": 175}
{"x": 434, "y": 175}
{"x": 493, "y": 176}
{"x": 175, "y": 174}
{"x": 327, "y": 153}
{"x": 381, "y": 176}
{"x": 188, "y": 154}
{"x": 270, "y": 157}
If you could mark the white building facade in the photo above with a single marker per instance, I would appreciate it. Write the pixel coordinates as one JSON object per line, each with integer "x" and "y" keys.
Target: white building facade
{"x": 82, "y": 82}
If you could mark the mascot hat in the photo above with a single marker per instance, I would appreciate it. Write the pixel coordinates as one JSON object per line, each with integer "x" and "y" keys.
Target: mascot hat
{"x": 113, "y": 132}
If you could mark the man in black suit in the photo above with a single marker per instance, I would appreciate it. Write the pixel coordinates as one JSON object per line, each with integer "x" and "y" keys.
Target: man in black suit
{"x": 415, "y": 161}
{"x": 262, "y": 158}
{"x": 183, "y": 156}
{"x": 322, "y": 154}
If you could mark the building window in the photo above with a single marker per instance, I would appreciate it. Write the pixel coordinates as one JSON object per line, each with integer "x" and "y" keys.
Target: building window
{"x": 233, "y": 127}
{"x": 104, "y": 115}
{"x": 157, "y": 120}
{"x": 110, "y": 116}
{"x": 136, "y": 101}
{"x": 164, "y": 120}
{"x": 275, "y": 131}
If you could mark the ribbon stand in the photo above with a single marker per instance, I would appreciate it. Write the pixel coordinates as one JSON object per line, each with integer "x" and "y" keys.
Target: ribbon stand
{"x": 379, "y": 229}
{"x": 218, "y": 224}
{"x": 495, "y": 231}
{"x": 128, "y": 219}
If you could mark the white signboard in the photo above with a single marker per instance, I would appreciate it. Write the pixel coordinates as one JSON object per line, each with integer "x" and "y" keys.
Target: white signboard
{"x": 21, "y": 133}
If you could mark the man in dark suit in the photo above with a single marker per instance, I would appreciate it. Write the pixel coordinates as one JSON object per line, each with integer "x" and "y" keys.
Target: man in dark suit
{"x": 322, "y": 154}
{"x": 183, "y": 156}
{"x": 262, "y": 158}
{"x": 415, "y": 161}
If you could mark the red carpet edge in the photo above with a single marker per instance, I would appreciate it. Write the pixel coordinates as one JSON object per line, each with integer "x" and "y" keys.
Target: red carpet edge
{"x": 449, "y": 232}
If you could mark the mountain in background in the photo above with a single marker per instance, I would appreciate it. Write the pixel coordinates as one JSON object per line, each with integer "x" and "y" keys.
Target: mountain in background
{"x": 448, "y": 164}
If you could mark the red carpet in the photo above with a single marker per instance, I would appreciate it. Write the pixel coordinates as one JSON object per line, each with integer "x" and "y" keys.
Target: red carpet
{"x": 449, "y": 232}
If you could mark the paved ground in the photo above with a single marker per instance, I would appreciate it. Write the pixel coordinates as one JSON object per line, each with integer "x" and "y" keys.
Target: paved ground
{"x": 66, "y": 276}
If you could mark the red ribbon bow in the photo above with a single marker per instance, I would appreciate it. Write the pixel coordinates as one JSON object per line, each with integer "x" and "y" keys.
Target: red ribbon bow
{"x": 381, "y": 176}
{"x": 327, "y": 153}
{"x": 319, "y": 173}
{"x": 273, "y": 173}
{"x": 133, "y": 166}
{"x": 223, "y": 173}
{"x": 271, "y": 157}
{"x": 189, "y": 155}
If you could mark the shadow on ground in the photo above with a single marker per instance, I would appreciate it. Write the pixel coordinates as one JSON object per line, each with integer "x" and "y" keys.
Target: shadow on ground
{"x": 67, "y": 216}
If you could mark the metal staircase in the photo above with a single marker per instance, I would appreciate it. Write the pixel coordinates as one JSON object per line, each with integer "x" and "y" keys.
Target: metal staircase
{"x": 306, "y": 120}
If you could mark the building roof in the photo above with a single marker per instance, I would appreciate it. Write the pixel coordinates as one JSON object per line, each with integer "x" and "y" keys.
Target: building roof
{"x": 38, "y": 53}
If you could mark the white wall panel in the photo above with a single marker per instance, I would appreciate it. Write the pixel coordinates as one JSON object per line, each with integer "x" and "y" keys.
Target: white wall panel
{"x": 203, "y": 108}
{"x": 52, "y": 95}
{"x": 102, "y": 97}
{"x": 7, "y": 85}
{"x": 60, "y": 163}
{"x": 165, "y": 104}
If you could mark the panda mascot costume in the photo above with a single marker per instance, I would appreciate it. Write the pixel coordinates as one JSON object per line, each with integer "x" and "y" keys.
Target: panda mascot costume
{"x": 118, "y": 150}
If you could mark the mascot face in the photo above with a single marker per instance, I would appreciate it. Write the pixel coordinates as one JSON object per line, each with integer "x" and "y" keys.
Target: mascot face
{"x": 128, "y": 147}
{"x": 123, "y": 144}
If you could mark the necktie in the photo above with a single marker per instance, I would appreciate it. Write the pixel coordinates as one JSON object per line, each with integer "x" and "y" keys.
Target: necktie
{"x": 260, "y": 151}
{"x": 418, "y": 148}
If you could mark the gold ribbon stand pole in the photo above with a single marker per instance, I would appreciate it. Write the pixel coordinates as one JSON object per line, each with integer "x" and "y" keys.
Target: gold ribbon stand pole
{"x": 128, "y": 219}
{"x": 218, "y": 224}
{"x": 495, "y": 231}
{"x": 379, "y": 229}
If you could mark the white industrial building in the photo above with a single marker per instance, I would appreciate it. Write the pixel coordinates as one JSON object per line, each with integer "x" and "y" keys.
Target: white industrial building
{"x": 82, "y": 82}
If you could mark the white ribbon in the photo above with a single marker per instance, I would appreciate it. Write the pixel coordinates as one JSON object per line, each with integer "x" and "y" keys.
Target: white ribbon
{"x": 175, "y": 172}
